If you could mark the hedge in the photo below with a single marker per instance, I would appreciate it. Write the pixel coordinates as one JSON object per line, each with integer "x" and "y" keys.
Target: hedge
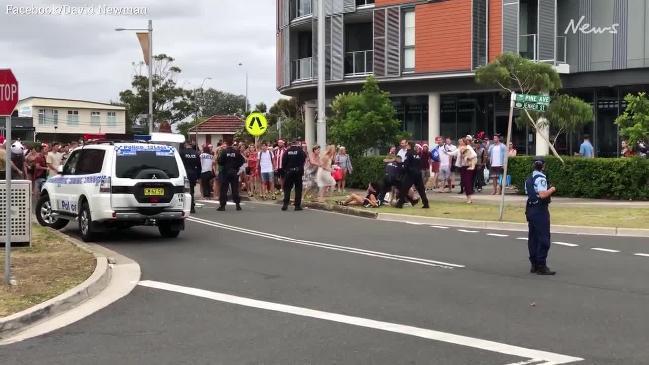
{"x": 598, "y": 178}
{"x": 594, "y": 178}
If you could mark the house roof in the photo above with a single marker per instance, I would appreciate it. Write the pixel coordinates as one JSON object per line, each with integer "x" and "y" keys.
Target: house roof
{"x": 219, "y": 124}
{"x": 36, "y": 101}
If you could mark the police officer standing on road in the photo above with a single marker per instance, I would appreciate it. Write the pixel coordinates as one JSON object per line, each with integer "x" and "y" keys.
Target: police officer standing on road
{"x": 230, "y": 161}
{"x": 192, "y": 163}
{"x": 293, "y": 165}
{"x": 538, "y": 218}
{"x": 412, "y": 165}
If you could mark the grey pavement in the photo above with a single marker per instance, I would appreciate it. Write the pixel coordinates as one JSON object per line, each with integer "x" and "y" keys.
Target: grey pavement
{"x": 595, "y": 308}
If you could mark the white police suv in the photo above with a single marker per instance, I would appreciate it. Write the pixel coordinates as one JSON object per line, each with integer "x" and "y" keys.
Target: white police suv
{"x": 118, "y": 185}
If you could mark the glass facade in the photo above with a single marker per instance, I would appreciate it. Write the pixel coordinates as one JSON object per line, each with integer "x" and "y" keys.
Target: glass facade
{"x": 412, "y": 111}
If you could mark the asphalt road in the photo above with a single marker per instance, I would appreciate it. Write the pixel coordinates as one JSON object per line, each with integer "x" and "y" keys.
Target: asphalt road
{"x": 263, "y": 286}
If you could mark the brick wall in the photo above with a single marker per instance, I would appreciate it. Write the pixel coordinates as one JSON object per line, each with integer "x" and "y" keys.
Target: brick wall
{"x": 495, "y": 28}
{"x": 443, "y": 36}
{"x": 379, "y": 3}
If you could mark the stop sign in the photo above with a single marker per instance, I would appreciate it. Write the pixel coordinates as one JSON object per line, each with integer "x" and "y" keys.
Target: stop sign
{"x": 8, "y": 92}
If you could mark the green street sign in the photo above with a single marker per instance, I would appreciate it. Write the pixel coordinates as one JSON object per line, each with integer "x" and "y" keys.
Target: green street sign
{"x": 538, "y": 103}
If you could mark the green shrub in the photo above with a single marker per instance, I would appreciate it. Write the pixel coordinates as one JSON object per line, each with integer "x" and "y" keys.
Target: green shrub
{"x": 366, "y": 170}
{"x": 598, "y": 178}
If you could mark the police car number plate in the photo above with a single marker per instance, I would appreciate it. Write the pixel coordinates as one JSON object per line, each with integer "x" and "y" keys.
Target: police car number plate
{"x": 154, "y": 191}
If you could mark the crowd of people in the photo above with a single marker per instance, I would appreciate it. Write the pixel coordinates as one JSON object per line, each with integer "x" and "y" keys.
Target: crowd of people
{"x": 34, "y": 162}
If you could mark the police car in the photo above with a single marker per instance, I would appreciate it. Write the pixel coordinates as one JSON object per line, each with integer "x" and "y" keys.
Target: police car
{"x": 108, "y": 185}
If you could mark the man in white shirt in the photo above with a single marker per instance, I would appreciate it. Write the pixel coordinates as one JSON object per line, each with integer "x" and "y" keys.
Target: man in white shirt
{"x": 266, "y": 169}
{"x": 445, "y": 165}
{"x": 404, "y": 148}
{"x": 53, "y": 160}
{"x": 497, "y": 154}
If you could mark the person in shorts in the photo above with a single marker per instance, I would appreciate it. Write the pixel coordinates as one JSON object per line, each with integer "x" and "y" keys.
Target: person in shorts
{"x": 497, "y": 153}
{"x": 266, "y": 167}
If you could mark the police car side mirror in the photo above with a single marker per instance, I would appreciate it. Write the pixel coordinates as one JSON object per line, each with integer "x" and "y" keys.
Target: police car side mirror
{"x": 59, "y": 170}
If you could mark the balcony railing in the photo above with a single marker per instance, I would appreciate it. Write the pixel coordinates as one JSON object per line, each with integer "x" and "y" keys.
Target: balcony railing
{"x": 359, "y": 63}
{"x": 300, "y": 8}
{"x": 562, "y": 49}
{"x": 527, "y": 46}
{"x": 302, "y": 69}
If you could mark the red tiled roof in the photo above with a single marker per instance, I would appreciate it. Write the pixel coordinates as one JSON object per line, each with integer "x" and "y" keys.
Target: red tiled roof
{"x": 219, "y": 124}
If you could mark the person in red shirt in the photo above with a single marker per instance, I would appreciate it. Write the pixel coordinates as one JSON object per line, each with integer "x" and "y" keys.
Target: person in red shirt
{"x": 38, "y": 170}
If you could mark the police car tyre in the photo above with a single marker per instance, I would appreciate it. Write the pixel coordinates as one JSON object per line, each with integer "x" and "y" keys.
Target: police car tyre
{"x": 44, "y": 214}
{"x": 85, "y": 223}
{"x": 167, "y": 231}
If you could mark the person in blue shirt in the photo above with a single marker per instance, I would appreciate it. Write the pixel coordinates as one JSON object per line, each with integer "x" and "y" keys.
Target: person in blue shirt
{"x": 538, "y": 218}
{"x": 586, "y": 149}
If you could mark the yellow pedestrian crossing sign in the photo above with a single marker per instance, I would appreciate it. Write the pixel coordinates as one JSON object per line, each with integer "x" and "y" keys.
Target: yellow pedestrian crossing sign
{"x": 256, "y": 124}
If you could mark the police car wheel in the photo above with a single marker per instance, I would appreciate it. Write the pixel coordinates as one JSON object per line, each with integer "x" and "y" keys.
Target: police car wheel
{"x": 44, "y": 214}
{"x": 167, "y": 231}
{"x": 85, "y": 223}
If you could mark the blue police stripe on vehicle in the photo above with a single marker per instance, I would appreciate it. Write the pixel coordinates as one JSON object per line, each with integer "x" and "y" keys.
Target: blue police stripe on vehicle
{"x": 78, "y": 180}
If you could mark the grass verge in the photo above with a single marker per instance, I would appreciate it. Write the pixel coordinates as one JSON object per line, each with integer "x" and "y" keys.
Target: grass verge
{"x": 50, "y": 267}
{"x": 570, "y": 216}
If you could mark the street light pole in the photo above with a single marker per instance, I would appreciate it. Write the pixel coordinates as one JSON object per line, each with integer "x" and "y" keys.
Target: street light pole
{"x": 245, "y": 108}
{"x": 150, "y": 29}
{"x": 322, "y": 121}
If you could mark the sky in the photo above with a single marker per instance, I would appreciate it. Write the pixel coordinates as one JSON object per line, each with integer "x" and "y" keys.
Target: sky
{"x": 82, "y": 57}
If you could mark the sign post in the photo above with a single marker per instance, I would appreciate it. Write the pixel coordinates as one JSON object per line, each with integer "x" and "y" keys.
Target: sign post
{"x": 8, "y": 101}
{"x": 537, "y": 103}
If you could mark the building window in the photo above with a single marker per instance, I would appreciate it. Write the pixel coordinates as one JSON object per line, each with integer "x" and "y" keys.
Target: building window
{"x": 364, "y": 2}
{"x": 73, "y": 117}
{"x": 55, "y": 117}
{"x": 41, "y": 116}
{"x": 409, "y": 40}
{"x": 94, "y": 118}
{"x": 111, "y": 118}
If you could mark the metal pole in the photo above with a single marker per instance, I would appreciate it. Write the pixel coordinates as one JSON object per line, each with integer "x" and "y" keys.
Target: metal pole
{"x": 246, "y": 108}
{"x": 322, "y": 121}
{"x": 509, "y": 138}
{"x": 150, "y": 76}
{"x": 8, "y": 202}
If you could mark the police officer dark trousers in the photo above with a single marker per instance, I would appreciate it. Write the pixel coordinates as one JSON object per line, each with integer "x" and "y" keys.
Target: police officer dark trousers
{"x": 192, "y": 163}
{"x": 293, "y": 164}
{"x": 231, "y": 161}
{"x": 412, "y": 177}
{"x": 538, "y": 218}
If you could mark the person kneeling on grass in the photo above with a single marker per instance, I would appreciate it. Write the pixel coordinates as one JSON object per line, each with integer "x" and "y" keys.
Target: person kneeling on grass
{"x": 369, "y": 201}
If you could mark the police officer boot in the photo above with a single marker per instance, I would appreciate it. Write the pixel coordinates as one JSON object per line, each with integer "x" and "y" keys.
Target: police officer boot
{"x": 221, "y": 208}
{"x": 284, "y": 207}
{"x": 544, "y": 270}
{"x": 238, "y": 206}
{"x": 533, "y": 269}
{"x": 297, "y": 209}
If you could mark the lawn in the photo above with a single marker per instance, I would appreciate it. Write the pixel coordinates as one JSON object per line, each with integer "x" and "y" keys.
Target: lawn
{"x": 561, "y": 215}
{"x": 50, "y": 267}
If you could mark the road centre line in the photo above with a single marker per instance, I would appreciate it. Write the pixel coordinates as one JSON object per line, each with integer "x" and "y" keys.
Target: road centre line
{"x": 467, "y": 231}
{"x": 497, "y": 235}
{"x": 565, "y": 244}
{"x": 383, "y": 255}
{"x": 439, "y": 227}
{"x": 522, "y": 238}
{"x": 537, "y": 355}
{"x": 641, "y": 254}
{"x": 604, "y": 250}
{"x": 530, "y": 362}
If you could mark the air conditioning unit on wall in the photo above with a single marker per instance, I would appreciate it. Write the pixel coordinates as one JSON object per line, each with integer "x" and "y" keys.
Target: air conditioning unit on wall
{"x": 21, "y": 215}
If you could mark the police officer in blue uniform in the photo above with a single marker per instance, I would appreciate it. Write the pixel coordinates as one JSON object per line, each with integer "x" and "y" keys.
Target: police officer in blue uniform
{"x": 231, "y": 161}
{"x": 412, "y": 166}
{"x": 293, "y": 165}
{"x": 538, "y": 217}
{"x": 192, "y": 163}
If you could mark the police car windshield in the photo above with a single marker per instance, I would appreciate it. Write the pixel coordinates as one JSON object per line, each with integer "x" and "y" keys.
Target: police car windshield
{"x": 129, "y": 166}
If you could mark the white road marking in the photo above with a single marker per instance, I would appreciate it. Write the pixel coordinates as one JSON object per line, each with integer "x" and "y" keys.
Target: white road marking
{"x": 531, "y": 362}
{"x": 548, "y": 357}
{"x": 641, "y": 254}
{"x": 522, "y": 238}
{"x": 604, "y": 250}
{"x": 467, "y": 231}
{"x": 567, "y": 244}
{"x": 414, "y": 223}
{"x": 439, "y": 227}
{"x": 217, "y": 202}
{"x": 328, "y": 246}
{"x": 497, "y": 235}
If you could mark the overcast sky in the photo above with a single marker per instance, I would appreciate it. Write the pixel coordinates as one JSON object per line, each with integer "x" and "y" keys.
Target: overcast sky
{"x": 82, "y": 57}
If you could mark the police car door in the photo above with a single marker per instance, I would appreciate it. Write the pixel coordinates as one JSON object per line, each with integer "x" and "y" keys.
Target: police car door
{"x": 88, "y": 176}
{"x": 66, "y": 188}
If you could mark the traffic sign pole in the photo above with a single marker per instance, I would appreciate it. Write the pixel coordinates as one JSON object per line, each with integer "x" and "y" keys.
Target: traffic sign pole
{"x": 8, "y": 203}
{"x": 509, "y": 138}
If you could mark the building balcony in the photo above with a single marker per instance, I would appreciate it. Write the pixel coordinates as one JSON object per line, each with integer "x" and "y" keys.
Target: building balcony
{"x": 359, "y": 63}
{"x": 361, "y": 3}
{"x": 299, "y": 9}
{"x": 527, "y": 46}
{"x": 302, "y": 69}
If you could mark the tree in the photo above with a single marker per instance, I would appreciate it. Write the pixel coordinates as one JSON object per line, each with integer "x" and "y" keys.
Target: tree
{"x": 215, "y": 102}
{"x": 568, "y": 114}
{"x": 286, "y": 115}
{"x": 513, "y": 73}
{"x": 261, "y": 108}
{"x": 365, "y": 119}
{"x": 170, "y": 102}
{"x": 634, "y": 122}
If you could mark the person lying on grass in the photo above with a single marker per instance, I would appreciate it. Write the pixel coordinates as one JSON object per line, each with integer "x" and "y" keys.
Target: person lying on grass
{"x": 369, "y": 201}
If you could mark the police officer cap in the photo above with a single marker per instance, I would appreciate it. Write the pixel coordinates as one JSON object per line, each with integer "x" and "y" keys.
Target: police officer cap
{"x": 539, "y": 161}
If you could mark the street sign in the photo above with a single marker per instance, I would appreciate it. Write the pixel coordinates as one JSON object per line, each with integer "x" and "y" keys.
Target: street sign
{"x": 256, "y": 124}
{"x": 538, "y": 103}
{"x": 8, "y": 92}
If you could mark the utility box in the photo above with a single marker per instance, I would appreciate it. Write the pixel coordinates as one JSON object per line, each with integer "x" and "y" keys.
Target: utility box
{"x": 21, "y": 215}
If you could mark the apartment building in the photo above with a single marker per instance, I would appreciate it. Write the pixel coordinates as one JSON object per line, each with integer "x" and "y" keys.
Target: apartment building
{"x": 425, "y": 53}
{"x": 65, "y": 119}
